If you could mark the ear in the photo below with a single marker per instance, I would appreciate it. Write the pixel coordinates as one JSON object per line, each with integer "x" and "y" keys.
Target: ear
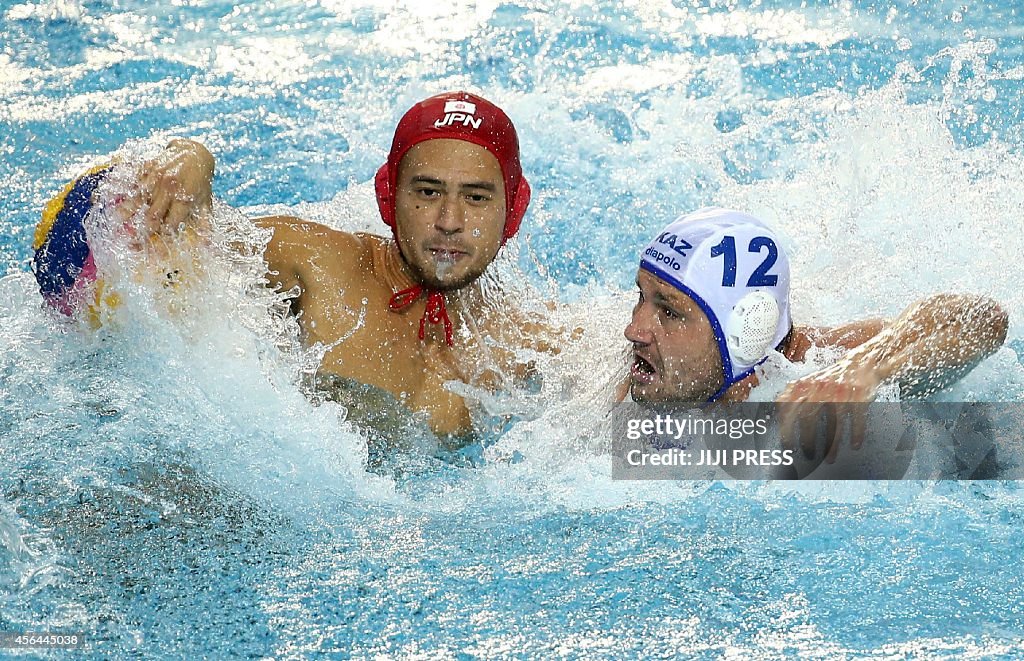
{"x": 520, "y": 202}
{"x": 385, "y": 196}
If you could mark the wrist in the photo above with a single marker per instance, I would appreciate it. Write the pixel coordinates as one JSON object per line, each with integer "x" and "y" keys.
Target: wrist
{"x": 867, "y": 366}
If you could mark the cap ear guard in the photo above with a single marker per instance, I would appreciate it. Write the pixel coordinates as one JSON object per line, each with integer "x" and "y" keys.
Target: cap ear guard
{"x": 514, "y": 217}
{"x": 751, "y": 328}
{"x": 385, "y": 197}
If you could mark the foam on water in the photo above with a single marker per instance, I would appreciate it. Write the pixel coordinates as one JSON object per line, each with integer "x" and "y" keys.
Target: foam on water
{"x": 177, "y": 450}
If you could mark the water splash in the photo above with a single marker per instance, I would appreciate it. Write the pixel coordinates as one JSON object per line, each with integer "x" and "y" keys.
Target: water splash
{"x": 158, "y": 457}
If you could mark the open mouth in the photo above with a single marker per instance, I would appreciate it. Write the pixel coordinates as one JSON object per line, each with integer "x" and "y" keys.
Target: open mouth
{"x": 642, "y": 371}
{"x": 447, "y": 255}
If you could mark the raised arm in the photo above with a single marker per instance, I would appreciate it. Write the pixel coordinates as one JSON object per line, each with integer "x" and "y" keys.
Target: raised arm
{"x": 174, "y": 191}
{"x": 929, "y": 346}
{"x": 932, "y": 344}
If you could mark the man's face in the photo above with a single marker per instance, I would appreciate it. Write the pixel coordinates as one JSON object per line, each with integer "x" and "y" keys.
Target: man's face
{"x": 450, "y": 211}
{"x": 675, "y": 355}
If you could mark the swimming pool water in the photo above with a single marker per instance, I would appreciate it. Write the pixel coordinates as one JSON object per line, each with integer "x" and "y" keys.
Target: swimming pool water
{"x": 175, "y": 495}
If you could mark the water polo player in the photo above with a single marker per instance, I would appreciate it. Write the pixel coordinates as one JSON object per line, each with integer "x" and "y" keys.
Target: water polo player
{"x": 402, "y": 313}
{"x": 714, "y": 302}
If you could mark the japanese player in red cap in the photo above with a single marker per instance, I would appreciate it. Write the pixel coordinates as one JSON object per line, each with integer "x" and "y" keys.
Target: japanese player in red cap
{"x": 398, "y": 312}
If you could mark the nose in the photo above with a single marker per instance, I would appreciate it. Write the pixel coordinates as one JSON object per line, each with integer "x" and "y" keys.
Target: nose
{"x": 451, "y": 216}
{"x": 639, "y": 330}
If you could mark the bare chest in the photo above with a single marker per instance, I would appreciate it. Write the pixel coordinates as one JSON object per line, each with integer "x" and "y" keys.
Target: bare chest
{"x": 366, "y": 341}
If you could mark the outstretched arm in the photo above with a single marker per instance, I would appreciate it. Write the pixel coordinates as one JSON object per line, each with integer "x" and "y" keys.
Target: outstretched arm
{"x": 929, "y": 346}
{"x": 161, "y": 207}
{"x": 932, "y": 344}
{"x": 174, "y": 191}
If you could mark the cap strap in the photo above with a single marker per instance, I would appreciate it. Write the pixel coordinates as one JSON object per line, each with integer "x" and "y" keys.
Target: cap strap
{"x": 436, "y": 312}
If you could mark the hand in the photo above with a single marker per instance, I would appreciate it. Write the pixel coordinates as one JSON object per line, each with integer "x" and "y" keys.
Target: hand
{"x": 840, "y": 392}
{"x": 174, "y": 189}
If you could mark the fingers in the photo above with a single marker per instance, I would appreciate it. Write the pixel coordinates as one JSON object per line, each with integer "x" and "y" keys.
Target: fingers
{"x": 801, "y": 423}
{"x": 160, "y": 201}
{"x": 788, "y": 416}
{"x": 795, "y": 424}
{"x": 173, "y": 188}
{"x": 170, "y": 209}
{"x": 858, "y": 426}
{"x": 798, "y": 424}
{"x": 808, "y": 426}
{"x": 833, "y": 432}
{"x": 178, "y": 214}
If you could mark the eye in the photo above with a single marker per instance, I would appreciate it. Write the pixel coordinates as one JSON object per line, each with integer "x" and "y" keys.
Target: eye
{"x": 670, "y": 313}
{"x": 429, "y": 193}
{"x": 478, "y": 198}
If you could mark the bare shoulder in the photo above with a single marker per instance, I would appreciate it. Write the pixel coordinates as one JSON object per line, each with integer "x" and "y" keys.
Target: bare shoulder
{"x": 293, "y": 232}
{"x": 304, "y": 239}
{"x": 848, "y": 336}
{"x": 299, "y": 248}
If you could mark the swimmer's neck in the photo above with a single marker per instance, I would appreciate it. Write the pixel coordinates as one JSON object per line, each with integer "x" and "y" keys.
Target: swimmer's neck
{"x": 399, "y": 276}
{"x": 395, "y": 270}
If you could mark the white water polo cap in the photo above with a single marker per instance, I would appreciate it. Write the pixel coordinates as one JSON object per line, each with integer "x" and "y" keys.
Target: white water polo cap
{"x": 733, "y": 266}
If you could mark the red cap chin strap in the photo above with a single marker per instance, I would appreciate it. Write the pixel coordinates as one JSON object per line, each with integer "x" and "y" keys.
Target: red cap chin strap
{"x": 435, "y": 313}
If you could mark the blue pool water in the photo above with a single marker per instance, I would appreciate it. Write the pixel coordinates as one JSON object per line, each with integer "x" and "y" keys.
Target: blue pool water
{"x": 171, "y": 492}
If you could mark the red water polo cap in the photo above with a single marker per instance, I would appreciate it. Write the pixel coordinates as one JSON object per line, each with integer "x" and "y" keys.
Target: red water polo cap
{"x": 458, "y": 116}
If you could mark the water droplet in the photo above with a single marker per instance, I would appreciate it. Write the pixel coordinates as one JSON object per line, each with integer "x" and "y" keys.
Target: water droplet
{"x": 443, "y": 266}
{"x": 476, "y": 233}
{"x": 904, "y": 44}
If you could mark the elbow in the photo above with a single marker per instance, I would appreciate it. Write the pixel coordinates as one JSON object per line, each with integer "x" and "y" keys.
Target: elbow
{"x": 1000, "y": 324}
{"x": 993, "y": 321}
{"x": 982, "y": 321}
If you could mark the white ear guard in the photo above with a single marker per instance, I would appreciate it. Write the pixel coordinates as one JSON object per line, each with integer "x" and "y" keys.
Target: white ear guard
{"x": 750, "y": 330}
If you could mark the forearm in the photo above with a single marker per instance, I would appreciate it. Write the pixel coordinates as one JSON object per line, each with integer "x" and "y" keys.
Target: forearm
{"x": 934, "y": 342}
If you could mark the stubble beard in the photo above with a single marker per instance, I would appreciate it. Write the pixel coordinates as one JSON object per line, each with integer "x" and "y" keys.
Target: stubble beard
{"x": 694, "y": 392}
{"x": 432, "y": 282}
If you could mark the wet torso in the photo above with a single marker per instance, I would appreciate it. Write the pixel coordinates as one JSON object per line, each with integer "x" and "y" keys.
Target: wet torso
{"x": 346, "y": 282}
